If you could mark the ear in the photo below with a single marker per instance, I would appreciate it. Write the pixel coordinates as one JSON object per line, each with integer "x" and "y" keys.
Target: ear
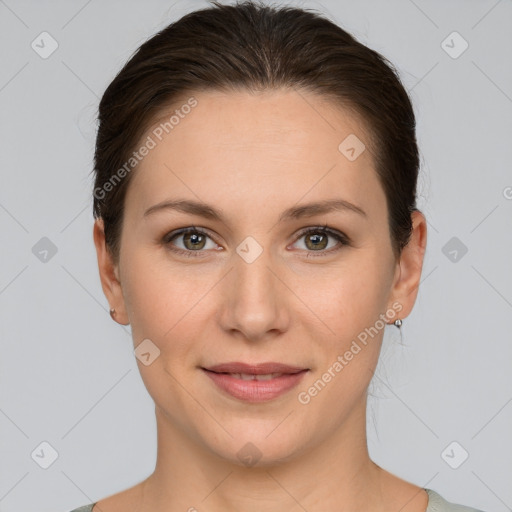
{"x": 109, "y": 274}
{"x": 408, "y": 271}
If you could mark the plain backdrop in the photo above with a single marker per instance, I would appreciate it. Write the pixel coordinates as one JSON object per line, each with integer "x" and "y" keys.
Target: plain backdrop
{"x": 440, "y": 414}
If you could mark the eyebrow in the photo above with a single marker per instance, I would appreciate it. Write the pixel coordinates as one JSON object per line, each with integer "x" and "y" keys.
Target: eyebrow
{"x": 293, "y": 213}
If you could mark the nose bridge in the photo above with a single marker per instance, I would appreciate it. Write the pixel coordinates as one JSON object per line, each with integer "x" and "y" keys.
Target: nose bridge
{"x": 254, "y": 303}
{"x": 252, "y": 274}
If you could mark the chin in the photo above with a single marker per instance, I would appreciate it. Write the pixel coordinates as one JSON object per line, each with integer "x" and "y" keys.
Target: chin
{"x": 257, "y": 447}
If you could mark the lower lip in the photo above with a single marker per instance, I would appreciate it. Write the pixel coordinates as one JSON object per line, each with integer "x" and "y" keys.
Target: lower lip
{"x": 254, "y": 390}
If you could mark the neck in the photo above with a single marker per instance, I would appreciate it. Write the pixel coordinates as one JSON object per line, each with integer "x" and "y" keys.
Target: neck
{"x": 335, "y": 475}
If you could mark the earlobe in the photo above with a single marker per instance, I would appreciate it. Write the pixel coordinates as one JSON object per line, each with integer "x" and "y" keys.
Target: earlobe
{"x": 109, "y": 275}
{"x": 406, "y": 285}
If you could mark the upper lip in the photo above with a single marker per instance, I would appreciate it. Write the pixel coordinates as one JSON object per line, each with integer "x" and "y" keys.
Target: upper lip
{"x": 254, "y": 369}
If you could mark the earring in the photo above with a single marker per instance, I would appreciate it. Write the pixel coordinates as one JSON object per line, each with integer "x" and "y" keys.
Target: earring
{"x": 112, "y": 313}
{"x": 398, "y": 323}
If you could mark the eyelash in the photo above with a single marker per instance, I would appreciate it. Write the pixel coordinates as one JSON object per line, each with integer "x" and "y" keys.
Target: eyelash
{"x": 325, "y": 230}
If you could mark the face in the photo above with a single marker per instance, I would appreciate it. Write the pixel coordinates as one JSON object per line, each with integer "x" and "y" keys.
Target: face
{"x": 270, "y": 280}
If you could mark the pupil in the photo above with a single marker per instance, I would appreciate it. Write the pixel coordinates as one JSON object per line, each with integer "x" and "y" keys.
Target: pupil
{"x": 195, "y": 239}
{"x": 317, "y": 240}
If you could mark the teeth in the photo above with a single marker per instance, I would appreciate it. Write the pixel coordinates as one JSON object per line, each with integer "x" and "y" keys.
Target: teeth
{"x": 248, "y": 376}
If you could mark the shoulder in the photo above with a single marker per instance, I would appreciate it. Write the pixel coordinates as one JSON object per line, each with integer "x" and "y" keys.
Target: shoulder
{"x": 437, "y": 503}
{"x": 85, "y": 508}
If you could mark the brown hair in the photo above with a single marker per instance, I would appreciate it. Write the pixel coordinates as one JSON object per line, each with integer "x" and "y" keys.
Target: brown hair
{"x": 256, "y": 47}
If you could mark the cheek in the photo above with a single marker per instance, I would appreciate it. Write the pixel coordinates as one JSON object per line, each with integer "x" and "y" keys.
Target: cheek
{"x": 349, "y": 296}
{"x": 160, "y": 303}
{"x": 170, "y": 307}
{"x": 157, "y": 295}
{"x": 350, "y": 305}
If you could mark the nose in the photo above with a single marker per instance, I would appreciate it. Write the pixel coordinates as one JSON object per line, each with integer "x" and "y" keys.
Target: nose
{"x": 255, "y": 298}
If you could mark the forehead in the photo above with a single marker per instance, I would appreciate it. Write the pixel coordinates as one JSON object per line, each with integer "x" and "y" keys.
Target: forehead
{"x": 258, "y": 146}
{"x": 281, "y": 118}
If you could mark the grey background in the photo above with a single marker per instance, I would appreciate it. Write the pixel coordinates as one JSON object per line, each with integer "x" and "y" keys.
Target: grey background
{"x": 68, "y": 373}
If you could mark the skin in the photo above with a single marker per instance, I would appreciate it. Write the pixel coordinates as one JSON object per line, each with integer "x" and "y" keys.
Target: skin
{"x": 282, "y": 307}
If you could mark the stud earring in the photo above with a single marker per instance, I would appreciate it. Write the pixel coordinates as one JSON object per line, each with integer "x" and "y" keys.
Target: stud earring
{"x": 398, "y": 323}
{"x": 112, "y": 313}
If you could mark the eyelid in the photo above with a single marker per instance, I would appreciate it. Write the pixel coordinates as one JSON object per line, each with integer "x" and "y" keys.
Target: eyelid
{"x": 183, "y": 231}
{"x": 324, "y": 228}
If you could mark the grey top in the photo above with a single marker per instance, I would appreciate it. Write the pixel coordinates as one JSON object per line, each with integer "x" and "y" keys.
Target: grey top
{"x": 435, "y": 504}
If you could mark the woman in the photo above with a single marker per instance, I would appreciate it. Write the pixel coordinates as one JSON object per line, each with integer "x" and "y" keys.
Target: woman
{"x": 256, "y": 225}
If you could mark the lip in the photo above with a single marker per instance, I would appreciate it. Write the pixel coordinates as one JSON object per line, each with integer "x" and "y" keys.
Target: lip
{"x": 253, "y": 390}
{"x": 254, "y": 369}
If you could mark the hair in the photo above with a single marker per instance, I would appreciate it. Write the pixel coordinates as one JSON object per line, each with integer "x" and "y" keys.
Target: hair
{"x": 255, "y": 47}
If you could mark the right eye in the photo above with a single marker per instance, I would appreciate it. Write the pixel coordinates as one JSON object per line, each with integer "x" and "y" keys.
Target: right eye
{"x": 193, "y": 241}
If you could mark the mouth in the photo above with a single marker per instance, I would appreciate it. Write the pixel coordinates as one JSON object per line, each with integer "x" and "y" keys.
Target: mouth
{"x": 255, "y": 382}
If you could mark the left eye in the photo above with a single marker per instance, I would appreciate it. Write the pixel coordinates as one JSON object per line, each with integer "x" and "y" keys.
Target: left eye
{"x": 316, "y": 240}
